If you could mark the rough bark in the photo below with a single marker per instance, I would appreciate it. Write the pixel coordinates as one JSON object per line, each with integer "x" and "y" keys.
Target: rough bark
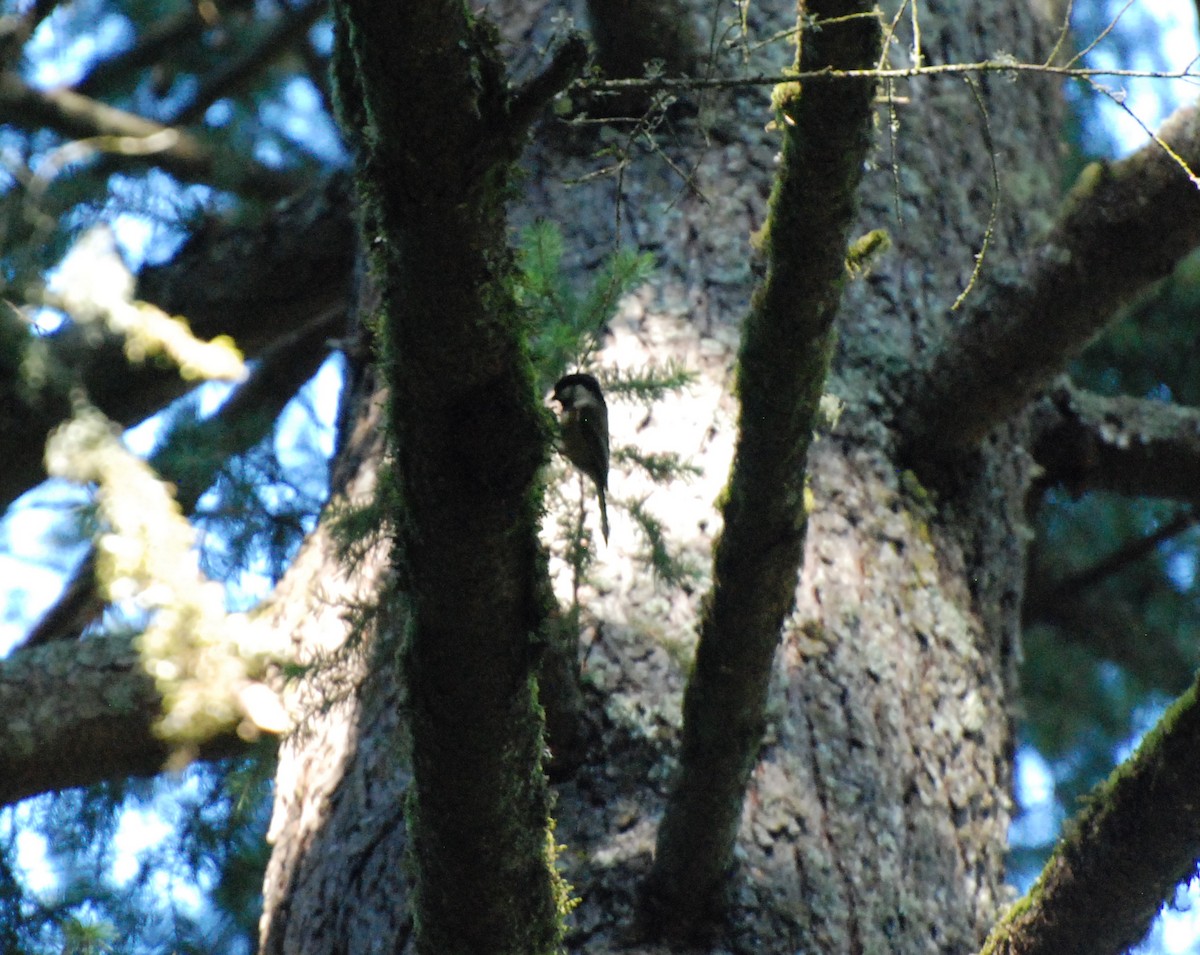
{"x": 336, "y": 880}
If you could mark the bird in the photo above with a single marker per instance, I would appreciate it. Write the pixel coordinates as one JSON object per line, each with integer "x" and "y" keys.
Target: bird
{"x": 583, "y": 419}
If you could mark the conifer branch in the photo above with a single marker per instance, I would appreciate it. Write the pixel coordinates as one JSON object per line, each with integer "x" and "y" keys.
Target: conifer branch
{"x": 1128, "y": 445}
{"x": 1123, "y": 856}
{"x": 1123, "y": 226}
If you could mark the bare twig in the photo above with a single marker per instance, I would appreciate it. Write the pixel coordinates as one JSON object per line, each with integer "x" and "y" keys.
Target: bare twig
{"x": 1001, "y": 65}
{"x": 995, "y": 210}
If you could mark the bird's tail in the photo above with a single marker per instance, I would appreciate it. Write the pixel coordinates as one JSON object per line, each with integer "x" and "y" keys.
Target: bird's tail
{"x": 603, "y": 515}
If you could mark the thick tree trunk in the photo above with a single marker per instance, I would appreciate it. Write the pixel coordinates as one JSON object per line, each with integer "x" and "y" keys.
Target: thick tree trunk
{"x": 876, "y": 818}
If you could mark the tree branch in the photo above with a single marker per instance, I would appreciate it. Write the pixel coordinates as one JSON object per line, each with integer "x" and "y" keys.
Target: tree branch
{"x": 1128, "y": 445}
{"x": 1123, "y": 226}
{"x": 1122, "y": 856}
{"x": 159, "y": 38}
{"x": 191, "y": 460}
{"x": 628, "y": 35}
{"x": 566, "y": 63}
{"x": 79, "y": 713}
{"x": 138, "y": 140}
{"x": 1043, "y": 601}
{"x": 787, "y": 343}
{"x": 259, "y": 283}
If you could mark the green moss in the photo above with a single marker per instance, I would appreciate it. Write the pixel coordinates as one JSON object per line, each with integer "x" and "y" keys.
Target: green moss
{"x": 920, "y": 495}
{"x": 863, "y": 251}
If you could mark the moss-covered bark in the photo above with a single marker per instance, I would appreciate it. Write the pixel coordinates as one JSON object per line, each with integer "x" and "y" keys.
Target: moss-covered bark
{"x": 1125, "y": 853}
{"x": 439, "y": 132}
{"x": 786, "y": 350}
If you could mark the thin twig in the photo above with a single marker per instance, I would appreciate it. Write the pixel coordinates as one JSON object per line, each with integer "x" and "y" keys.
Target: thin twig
{"x": 941, "y": 69}
{"x": 1101, "y": 35}
{"x": 995, "y": 211}
{"x": 1064, "y": 31}
{"x": 1161, "y": 143}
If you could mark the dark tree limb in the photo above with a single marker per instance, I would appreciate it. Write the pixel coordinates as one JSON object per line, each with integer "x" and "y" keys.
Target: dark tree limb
{"x": 430, "y": 115}
{"x": 1125, "y": 225}
{"x": 566, "y": 63}
{"x": 632, "y": 33}
{"x": 1138, "y": 839}
{"x": 261, "y": 283}
{"x": 154, "y": 43}
{"x": 787, "y": 344}
{"x": 1043, "y": 602}
{"x": 1128, "y": 445}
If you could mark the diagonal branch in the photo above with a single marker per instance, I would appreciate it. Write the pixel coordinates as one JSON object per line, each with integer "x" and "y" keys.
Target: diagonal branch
{"x": 1123, "y": 226}
{"x": 1045, "y": 602}
{"x": 1138, "y": 839}
{"x": 160, "y": 38}
{"x": 786, "y": 347}
{"x": 1127, "y": 445}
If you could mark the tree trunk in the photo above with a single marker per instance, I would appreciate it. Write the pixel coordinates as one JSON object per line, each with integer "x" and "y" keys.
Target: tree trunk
{"x": 876, "y": 817}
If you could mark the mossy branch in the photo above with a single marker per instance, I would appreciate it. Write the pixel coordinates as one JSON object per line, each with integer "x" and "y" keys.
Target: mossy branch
{"x": 784, "y": 360}
{"x": 1123, "y": 856}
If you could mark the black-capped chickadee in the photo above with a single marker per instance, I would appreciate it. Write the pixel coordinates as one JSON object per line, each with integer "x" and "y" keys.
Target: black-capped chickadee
{"x": 584, "y": 422}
